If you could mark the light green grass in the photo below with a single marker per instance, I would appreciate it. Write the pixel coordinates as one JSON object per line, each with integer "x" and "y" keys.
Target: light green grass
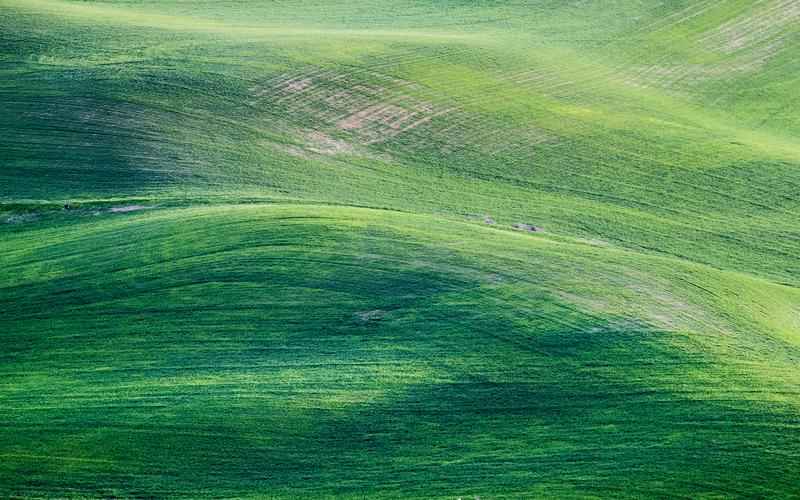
{"x": 311, "y": 302}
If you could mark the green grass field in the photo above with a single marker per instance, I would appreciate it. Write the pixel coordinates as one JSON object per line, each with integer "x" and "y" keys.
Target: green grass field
{"x": 400, "y": 249}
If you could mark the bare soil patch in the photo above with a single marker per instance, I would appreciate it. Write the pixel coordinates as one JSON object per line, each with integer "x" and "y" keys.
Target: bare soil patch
{"x": 371, "y": 316}
{"x": 21, "y": 218}
{"x": 519, "y": 226}
{"x": 322, "y": 143}
{"x": 128, "y": 208}
{"x": 371, "y": 107}
{"x": 753, "y": 27}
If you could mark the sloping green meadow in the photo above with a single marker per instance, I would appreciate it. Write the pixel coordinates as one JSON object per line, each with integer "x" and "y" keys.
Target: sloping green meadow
{"x": 295, "y": 249}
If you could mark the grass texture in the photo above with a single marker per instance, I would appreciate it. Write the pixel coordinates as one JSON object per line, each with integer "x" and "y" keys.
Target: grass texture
{"x": 306, "y": 249}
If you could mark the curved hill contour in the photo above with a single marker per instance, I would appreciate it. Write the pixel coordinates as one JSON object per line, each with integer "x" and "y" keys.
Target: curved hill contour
{"x": 420, "y": 249}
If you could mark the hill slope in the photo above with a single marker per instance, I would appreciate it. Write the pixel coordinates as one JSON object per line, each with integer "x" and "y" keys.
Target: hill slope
{"x": 427, "y": 249}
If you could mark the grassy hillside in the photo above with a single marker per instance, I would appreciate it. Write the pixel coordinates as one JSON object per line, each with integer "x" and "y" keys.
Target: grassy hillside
{"x": 399, "y": 249}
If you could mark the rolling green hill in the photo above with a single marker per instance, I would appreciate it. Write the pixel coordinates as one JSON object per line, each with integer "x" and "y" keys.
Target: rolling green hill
{"x": 425, "y": 249}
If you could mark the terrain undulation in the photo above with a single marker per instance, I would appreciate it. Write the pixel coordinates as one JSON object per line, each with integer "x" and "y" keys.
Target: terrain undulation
{"x": 401, "y": 249}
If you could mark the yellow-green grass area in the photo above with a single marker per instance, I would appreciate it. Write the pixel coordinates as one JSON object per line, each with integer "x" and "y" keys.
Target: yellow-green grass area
{"x": 286, "y": 248}
{"x": 111, "y": 100}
